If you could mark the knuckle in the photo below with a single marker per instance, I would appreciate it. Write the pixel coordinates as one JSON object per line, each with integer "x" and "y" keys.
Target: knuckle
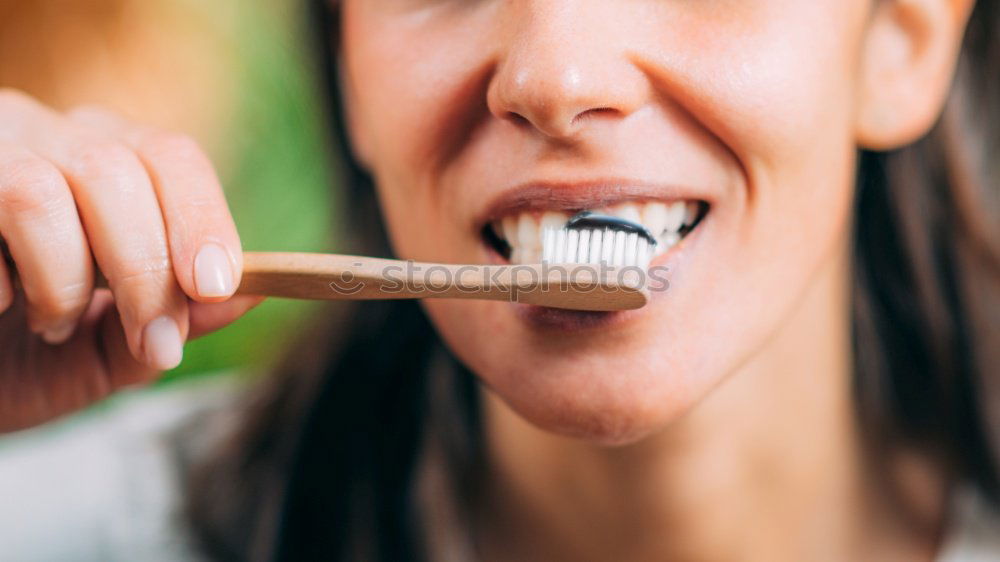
{"x": 152, "y": 270}
{"x": 61, "y": 302}
{"x": 178, "y": 149}
{"x": 104, "y": 159}
{"x": 202, "y": 211}
{"x": 171, "y": 144}
{"x": 30, "y": 186}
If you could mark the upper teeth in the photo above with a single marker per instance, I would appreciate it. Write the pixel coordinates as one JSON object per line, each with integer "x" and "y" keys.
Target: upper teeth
{"x": 525, "y": 232}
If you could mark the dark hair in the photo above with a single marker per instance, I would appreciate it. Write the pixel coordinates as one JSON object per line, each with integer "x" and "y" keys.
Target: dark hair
{"x": 324, "y": 463}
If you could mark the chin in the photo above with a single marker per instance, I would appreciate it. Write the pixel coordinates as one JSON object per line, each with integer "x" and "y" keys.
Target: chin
{"x": 611, "y": 420}
{"x": 610, "y": 379}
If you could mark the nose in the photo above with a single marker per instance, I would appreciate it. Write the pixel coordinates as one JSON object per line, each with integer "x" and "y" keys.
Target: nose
{"x": 564, "y": 67}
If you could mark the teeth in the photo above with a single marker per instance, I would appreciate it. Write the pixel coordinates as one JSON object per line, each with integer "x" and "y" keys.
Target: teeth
{"x": 690, "y": 213}
{"x": 509, "y": 229}
{"x": 668, "y": 240}
{"x": 527, "y": 233}
{"x": 675, "y": 216}
{"x": 551, "y": 220}
{"x": 534, "y": 238}
{"x": 654, "y": 217}
{"x": 627, "y": 211}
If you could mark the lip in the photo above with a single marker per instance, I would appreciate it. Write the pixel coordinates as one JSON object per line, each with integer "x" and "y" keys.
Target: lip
{"x": 579, "y": 196}
{"x": 555, "y": 320}
{"x": 576, "y": 196}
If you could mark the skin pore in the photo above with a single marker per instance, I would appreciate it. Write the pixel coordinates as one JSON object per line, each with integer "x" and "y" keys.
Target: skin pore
{"x": 717, "y": 423}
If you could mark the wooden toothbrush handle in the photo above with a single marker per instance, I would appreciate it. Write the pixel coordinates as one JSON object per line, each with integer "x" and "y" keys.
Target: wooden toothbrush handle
{"x": 340, "y": 277}
{"x": 315, "y": 276}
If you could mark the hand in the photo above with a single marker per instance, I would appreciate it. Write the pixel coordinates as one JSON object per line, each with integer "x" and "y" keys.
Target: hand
{"x": 145, "y": 206}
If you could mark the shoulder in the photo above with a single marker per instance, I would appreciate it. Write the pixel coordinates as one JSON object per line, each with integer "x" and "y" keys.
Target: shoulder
{"x": 974, "y": 531}
{"x": 107, "y": 484}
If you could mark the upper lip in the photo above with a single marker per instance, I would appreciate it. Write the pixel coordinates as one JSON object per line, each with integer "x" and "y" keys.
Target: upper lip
{"x": 578, "y": 196}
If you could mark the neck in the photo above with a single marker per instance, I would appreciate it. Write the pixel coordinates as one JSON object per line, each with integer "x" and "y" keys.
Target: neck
{"x": 768, "y": 467}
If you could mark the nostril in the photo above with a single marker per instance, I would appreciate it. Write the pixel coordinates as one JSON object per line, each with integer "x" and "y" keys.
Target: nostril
{"x": 556, "y": 124}
{"x": 517, "y": 118}
{"x": 595, "y": 112}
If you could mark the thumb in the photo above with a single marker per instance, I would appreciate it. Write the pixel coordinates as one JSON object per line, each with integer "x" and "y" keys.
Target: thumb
{"x": 209, "y": 317}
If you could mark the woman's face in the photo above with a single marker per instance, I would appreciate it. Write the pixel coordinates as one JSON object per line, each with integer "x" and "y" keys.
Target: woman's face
{"x": 469, "y": 112}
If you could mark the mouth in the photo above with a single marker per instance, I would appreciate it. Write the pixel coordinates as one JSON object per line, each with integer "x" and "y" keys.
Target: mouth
{"x": 515, "y": 232}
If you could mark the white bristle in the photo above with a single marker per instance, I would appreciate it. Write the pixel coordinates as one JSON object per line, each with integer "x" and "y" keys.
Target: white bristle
{"x": 572, "y": 241}
{"x": 618, "y": 258}
{"x": 630, "y": 246}
{"x": 608, "y": 249}
{"x": 559, "y": 255}
{"x": 548, "y": 243}
{"x": 642, "y": 253}
{"x": 583, "y": 252}
{"x": 595, "y": 246}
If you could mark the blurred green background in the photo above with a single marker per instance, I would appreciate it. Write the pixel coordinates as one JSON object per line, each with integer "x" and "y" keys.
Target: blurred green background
{"x": 280, "y": 179}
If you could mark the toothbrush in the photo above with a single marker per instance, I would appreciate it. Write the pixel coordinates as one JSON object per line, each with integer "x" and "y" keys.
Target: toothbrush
{"x": 337, "y": 277}
{"x": 593, "y": 238}
{"x": 586, "y": 240}
{"x": 566, "y": 278}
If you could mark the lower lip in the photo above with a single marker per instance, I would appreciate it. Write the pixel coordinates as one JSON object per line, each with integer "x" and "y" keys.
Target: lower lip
{"x": 569, "y": 320}
{"x": 557, "y": 319}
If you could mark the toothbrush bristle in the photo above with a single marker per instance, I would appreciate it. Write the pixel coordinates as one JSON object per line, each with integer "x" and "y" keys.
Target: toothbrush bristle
{"x": 596, "y": 246}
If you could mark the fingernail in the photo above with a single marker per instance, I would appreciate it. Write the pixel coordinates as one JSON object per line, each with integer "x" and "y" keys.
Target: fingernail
{"x": 213, "y": 274}
{"x": 58, "y": 334}
{"x": 162, "y": 344}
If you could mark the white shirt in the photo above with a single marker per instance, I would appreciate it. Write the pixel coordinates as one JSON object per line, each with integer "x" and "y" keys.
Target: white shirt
{"x": 105, "y": 486}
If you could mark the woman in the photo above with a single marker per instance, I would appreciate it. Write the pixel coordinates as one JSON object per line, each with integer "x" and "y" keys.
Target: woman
{"x": 813, "y": 385}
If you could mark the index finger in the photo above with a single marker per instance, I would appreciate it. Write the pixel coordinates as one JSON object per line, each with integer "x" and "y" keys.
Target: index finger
{"x": 204, "y": 244}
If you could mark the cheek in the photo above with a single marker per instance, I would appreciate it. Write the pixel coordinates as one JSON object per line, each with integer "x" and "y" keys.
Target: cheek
{"x": 781, "y": 97}
{"x": 409, "y": 100}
